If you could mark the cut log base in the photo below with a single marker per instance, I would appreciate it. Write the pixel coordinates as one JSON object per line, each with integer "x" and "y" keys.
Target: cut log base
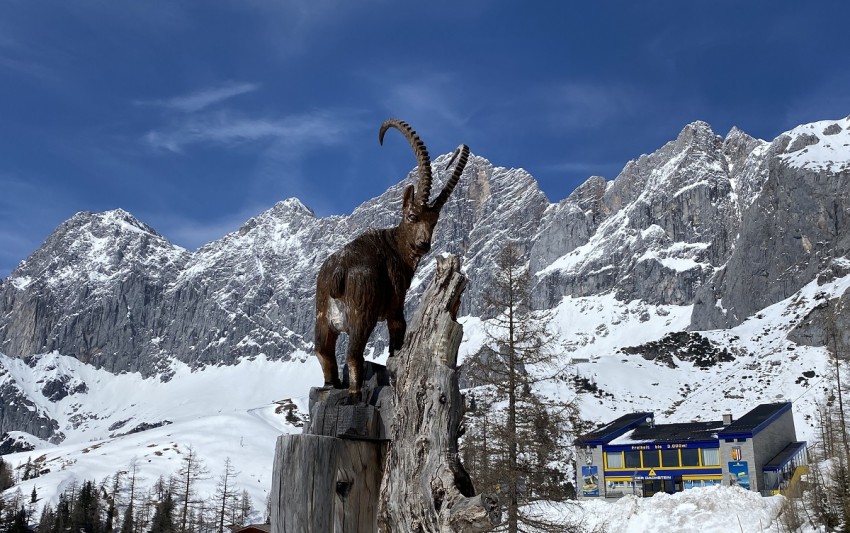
{"x": 325, "y": 484}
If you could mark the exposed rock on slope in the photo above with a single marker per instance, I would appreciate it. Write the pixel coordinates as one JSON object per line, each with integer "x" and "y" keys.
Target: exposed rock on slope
{"x": 655, "y": 233}
{"x": 796, "y": 227}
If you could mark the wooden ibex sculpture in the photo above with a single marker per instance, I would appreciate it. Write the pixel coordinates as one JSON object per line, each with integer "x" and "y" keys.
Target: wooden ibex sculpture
{"x": 366, "y": 282}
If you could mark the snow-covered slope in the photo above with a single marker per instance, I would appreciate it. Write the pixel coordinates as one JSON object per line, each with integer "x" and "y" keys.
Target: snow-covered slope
{"x": 238, "y": 411}
{"x": 112, "y": 421}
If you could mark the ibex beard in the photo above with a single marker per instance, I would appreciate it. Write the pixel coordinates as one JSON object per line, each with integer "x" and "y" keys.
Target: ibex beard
{"x": 366, "y": 282}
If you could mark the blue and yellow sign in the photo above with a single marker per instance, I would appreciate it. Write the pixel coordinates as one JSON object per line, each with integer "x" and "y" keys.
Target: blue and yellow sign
{"x": 590, "y": 480}
{"x": 739, "y": 474}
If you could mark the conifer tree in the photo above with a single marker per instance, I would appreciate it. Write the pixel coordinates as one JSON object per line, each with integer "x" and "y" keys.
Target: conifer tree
{"x": 47, "y": 520}
{"x": 163, "y": 521}
{"x": 6, "y": 478}
{"x": 85, "y": 514}
{"x": 18, "y": 524}
{"x": 28, "y": 469}
{"x": 224, "y": 495}
{"x": 267, "y": 512}
{"x": 62, "y": 518}
{"x": 191, "y": 471}
{"x": 13, "y": 506}
{"x": 111, "y": 499}
{"x": 128, "y": 522}
{"x": 245, "y": 508}
{"x": 516, "y": 433}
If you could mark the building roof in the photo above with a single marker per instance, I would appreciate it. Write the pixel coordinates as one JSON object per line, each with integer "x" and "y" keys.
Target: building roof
{"x": 785, "y": 456}
{"x": 635, "y": 428}
{"x": 266, "y": 528}
{"x": 756, "y": 420}
{"x": 612, "y": 430}
{"x": 680, "y": 432}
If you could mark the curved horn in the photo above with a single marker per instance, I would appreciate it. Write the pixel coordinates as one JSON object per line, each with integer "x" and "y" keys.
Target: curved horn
{"x": 462, "y": 156}
{"x": 423, "y": 160}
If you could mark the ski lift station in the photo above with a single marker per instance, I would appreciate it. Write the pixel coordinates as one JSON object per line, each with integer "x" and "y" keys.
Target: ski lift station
{"x": 633, "y": 455}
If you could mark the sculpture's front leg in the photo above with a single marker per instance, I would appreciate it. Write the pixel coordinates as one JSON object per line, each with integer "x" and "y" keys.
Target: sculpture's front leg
{"x": 397, "y": 328}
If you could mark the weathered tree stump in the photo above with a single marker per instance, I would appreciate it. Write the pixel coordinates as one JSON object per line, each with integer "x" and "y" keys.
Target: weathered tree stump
{"x": 425, "y": 487}
{"x": 325, "y": 484}
{"x": 344, "y": 476}
{"x": 327, "y": 480}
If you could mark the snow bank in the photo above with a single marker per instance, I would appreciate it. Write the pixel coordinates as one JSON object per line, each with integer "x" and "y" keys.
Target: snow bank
{"x": 707, "y": 509}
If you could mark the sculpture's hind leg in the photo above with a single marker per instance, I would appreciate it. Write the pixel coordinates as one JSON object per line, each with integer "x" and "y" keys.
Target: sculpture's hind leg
{"x": 325, "y": 345}
{"x": 356, "y": 345}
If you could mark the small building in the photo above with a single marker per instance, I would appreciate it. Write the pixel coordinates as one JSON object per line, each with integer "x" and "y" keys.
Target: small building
{"x": 251, "y": 528}
{"x": 633, "y": 455}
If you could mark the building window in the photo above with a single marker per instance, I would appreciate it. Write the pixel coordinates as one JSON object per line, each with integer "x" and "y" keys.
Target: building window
{"x": 621, "y": 488}
{"x": 692, "y": 483}
{"x": 632, "y": 459}
{"x": 614, "y": 459}
{"x": 670, "y": 458}
{"x": 650, "y": 459}
{"x": 690, "y": 457}
{"x": 710, "y": 457}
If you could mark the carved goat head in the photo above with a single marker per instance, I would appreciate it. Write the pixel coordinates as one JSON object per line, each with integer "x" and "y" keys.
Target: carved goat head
{"x": 419, "y": 217}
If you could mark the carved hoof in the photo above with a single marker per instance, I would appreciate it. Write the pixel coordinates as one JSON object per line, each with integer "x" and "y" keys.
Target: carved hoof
{"x": 335, "y": 384}
{"x": 355, "y": 397}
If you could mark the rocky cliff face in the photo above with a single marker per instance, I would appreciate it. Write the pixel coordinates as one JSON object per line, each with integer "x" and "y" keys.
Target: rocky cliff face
{"x": 94, "y": 289}
{"x": 655, "y": 233}
{"x": 728, "y": 225}
{"x": 18, "y": 412}
{"x": 796, "y": 227}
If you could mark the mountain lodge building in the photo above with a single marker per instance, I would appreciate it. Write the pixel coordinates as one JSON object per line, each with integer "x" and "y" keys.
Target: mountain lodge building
{"x": 633, "y": 455}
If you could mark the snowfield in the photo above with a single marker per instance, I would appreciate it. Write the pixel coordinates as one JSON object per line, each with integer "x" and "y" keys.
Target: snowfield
{"x": 231, "y": 411}
{"x": 220, "y": 412}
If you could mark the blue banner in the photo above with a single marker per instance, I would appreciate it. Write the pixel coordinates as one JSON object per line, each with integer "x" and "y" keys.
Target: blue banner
{"x": 590, "y": 481}
{"x": 739, "y": 474}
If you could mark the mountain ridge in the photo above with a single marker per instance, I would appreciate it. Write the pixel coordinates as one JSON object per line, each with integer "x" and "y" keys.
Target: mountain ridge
{"x": 678, "y": 227}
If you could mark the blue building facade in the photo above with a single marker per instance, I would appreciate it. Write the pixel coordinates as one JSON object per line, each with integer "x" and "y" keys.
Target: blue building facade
{"x": 633, "y": 455}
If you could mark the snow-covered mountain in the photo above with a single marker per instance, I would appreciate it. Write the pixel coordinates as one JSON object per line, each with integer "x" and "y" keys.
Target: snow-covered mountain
{"x": 699, "y": 281}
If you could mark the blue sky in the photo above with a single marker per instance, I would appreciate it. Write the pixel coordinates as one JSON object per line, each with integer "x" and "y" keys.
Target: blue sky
{"x": 196, "y": 115}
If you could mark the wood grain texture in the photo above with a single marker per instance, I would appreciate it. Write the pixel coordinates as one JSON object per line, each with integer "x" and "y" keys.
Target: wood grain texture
{"x": 425, "y": 487}
{"x": 325, "y": 484}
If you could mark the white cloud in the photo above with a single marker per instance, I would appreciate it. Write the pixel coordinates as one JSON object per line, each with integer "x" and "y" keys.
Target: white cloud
{"x": 229, "y": 129}
{"x": 579, "y": 105}
{"x": 198, "y": 100}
